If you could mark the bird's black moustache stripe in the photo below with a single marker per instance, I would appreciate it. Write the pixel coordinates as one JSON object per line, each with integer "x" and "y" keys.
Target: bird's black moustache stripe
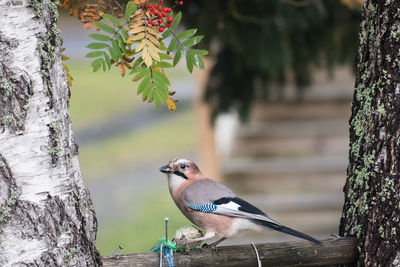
{"x": 181, "y": 174}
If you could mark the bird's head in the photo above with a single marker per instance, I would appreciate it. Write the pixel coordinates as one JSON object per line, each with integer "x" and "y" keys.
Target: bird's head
{"x": 180, "y": 171}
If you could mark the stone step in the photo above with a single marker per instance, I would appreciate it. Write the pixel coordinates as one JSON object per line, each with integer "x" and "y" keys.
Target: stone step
{"x": 319, "y": 109}
{"x": 293, "y": 129}
{"x": 291, "y": 147}
{"x": 286, "y": 176}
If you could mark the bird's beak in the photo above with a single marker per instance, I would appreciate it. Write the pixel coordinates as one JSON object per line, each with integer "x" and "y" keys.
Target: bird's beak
{"x": 166, "y": 169}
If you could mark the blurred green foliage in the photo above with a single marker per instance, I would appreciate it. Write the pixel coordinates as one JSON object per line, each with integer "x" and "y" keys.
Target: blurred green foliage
{"x": 160, "y": 141}
{"x": 260, "y": 45}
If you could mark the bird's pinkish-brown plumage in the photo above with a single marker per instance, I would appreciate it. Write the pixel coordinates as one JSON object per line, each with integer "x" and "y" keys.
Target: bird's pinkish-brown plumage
{"x": 213, "y": 206}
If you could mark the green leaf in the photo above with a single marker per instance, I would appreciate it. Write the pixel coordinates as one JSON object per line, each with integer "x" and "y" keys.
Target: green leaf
{"x": 178, "y": 55}
{"x": 165, "y": 56}
{"x": 162, "y": 64}
{"x": 160, "y": 77}
{"x": 116, "y": 48}
{"x": 96, "y": 45}
{"x": 107, "y": 60}
{"x": 130, "y": 9}
{"x": 113, "y": 54}
{"x": 186, "y": 34}
{"x": 176, "y": 21}
{"x": 113, "y": 20}
{"x": 100, "y": 37}
{"x": 94, "y": 54}
{"x": 143, "y": 72}
{"x": 96, "y": 64}
{"x": 197, "y": 61}
{"x": 136, "y": 64}
{"x": 124, "y": 33}
{"x": 104, "y": 27}
{"x": 121, "y": 44}
{"x": 189, "y": 61}
{"x": 173, "y": 44}
{"x": 193, "y": 41}
{"x": 144, "y": 85}
{"x": 166, "y": 34}
{"x": 200, "y": 52}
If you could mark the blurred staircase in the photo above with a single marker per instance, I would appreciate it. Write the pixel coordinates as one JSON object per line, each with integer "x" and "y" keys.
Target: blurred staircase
{"x": 290, "y": 160}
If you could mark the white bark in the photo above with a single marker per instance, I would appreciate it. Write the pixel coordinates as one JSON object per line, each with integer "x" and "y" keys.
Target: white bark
{"x": 45, "y": 211}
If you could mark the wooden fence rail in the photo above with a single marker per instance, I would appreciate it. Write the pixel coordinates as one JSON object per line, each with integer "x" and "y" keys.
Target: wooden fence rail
{"x": 333, "y": 251}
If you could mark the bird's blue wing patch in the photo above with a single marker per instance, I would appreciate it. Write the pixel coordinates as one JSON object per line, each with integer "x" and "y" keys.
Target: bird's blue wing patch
{"x": 207, "y": 208}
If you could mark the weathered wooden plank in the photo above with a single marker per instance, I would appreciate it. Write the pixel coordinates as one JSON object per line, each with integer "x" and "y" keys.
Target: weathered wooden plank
{"x": 331, "y": 252}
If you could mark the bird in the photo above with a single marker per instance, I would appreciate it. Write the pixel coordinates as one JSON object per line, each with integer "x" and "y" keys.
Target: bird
{"x": 214, "y": 208}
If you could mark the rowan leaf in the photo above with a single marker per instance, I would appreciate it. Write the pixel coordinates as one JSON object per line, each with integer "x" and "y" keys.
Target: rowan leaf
{"x": 176, "y": 21}
{"x": 116, "y": 48}
{"x": 200, "y": 52}
{"x": 104, "y": 27}
{"x": 165, "y": 56}
{"x": 107, "y": 60}
{"x": 124, "y": 33}
{"x": 189, "y": 61}
{"x": 177, "y": 56}
{"x": 186, "y": 34}
{"x": 172, "y": 44}
{"x": 96, "y": 64}
{"x": 100, "y": 37}
{"x": 197, "y": 61}
{"x": 129, "y": 10}
{"x": 163, "y": 64}
{"x": 113, "y": 53}
{"x": 94, "y": 54}
{"x": 171, "y": 104}
{"x": 144, "y": 85}
{"x": 142, "y": 72}
{"x": 193, "y": 41}
{"x": 96, "y": 45}
{"x": 113, "y": 20}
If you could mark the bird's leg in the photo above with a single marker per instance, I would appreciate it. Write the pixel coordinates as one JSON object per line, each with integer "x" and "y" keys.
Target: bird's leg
{"x": 213, "y": 245}
{"x": 187, "y": 242}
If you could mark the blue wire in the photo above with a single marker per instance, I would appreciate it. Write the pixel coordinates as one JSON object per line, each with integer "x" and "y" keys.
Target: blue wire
{"x": 168, "y": 256}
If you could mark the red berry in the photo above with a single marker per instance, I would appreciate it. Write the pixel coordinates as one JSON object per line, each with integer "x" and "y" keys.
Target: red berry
{"x": 180, "y": 2}
{"x": 161, "y": 1}
{"x": 165, "y": 9}
{"x": 150, "y": 21}
{"x": 159, "y": 8}
{"x": 170, "y": 19}
{"x": 161, "y": 29}
{"x": 165, "y": 14}
{"x": 168, "y": 25}
{"x": 149, "y": 5}
{"x": 159, "y": 21}
{"x": 151, "y": 13}
{"x": 169, "y": 10}
{"x": 156, "y": 6}
{"x": 153, "y": 23}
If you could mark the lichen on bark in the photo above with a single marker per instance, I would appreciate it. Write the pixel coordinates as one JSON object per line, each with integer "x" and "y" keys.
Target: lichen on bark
{"x": 372, "y": 203}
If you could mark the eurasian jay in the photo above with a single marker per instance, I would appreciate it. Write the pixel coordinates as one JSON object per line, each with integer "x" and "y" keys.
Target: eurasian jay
{"x": 214, "y": 207}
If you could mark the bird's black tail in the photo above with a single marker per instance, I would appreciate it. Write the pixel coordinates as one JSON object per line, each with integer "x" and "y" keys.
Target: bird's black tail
{"x": 286, "y": 230}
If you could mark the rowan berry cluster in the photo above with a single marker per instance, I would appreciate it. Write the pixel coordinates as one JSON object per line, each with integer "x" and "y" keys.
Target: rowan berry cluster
{"x": 159, "y": 15}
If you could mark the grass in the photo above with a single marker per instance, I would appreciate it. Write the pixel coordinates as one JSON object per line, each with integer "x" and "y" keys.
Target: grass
{"x": 98, "y": 96}
{"x": 162, "y": 141}
{"x": 144, "y": 228}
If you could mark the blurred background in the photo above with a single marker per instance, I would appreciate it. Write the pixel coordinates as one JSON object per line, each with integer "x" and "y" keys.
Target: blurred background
{"x": 268, "y": 117}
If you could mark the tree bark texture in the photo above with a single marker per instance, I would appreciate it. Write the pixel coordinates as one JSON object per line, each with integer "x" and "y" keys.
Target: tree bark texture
{"x": 372, "y": 192}
{"x": 46, "y": 213}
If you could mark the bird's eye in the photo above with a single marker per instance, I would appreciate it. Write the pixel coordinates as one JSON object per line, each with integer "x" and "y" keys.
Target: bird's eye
{"x": 183, "y": 166}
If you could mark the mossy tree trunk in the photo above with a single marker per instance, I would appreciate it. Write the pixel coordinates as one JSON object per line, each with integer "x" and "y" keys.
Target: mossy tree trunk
{"x": 46, "y": 213}
{"x": 372, "y": 200}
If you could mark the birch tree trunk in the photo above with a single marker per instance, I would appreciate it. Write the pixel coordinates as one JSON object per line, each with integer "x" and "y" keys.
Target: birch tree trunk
{"x": 372, "y": 192}
{"x": 46, "y": 213}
